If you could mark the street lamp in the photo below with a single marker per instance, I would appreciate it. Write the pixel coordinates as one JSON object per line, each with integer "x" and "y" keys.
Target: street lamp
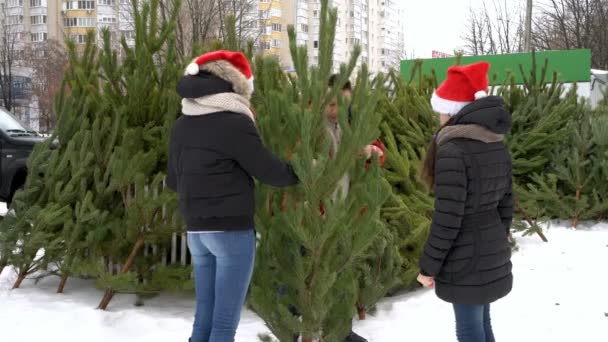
{"x": 528, "y": 33}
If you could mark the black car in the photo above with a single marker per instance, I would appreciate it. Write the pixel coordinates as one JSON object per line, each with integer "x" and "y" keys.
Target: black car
{"x": 16, "y": 144}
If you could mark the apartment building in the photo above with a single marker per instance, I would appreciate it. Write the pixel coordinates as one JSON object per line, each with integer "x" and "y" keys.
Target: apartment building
{"x": 272, "y": 27}
{"x": 79, "y": 17}
{"x": 375, "y": 25}
{"x": 36, "y": 21}
{"x": 29, "y": 24}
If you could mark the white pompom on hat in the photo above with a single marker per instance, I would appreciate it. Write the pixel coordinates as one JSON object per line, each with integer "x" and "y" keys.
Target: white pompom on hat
{"x": 463, "y": 85}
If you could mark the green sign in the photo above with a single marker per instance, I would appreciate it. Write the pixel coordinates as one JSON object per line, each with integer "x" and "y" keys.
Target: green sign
{"x": 571, "y": 65}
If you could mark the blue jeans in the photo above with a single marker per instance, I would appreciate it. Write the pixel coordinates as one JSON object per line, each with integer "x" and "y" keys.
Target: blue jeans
{"x": 473, "y": 323}
{"x": 223, "y": 265}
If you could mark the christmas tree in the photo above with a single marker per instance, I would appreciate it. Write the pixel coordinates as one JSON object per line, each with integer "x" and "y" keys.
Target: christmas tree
{"x": 312, "y": 237}
{"x": 573, "y": 186}
{"x": 98, "y": 200}
{"x": 408, "y": 125}
{"x": 540, "y": 109}
{"x": 41, "y": 210}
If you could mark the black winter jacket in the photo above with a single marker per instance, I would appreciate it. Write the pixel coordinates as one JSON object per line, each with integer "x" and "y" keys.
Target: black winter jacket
{"x": 212, "y": 160}
{"x": 468, "y": 251}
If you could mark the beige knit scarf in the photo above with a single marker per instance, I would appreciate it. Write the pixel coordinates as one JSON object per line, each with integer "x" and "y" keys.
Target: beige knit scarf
{"x": 474, "y": 132}
{"x": 223, "y": 102}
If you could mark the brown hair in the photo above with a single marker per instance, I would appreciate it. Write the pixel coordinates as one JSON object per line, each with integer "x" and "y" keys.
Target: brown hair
{"x": 427, "y": 174}
{"x": 334, "y": 78}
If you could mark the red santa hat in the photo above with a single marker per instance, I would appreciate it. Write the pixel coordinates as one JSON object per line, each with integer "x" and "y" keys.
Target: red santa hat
{"x": 463, "y": 85}
{"x": 228, "y": 65}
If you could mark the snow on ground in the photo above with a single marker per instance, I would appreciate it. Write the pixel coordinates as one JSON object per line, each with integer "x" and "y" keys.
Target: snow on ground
{"x": 560, "y": 295}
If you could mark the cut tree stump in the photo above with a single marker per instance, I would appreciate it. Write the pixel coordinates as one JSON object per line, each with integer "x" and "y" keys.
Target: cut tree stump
{"x": 64, "y": 280}
{"x": 109, "y": 294}
{"x": 362, "y": 313}
{"x": 20, "y": 280}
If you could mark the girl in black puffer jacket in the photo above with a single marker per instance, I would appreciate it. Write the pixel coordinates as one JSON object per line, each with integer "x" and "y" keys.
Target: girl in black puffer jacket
{"x": 215, "y": 152}
{"x": 467, "y": 257}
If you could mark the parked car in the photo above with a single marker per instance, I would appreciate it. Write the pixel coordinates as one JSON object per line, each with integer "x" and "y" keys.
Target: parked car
{"x": 17, "y": 141}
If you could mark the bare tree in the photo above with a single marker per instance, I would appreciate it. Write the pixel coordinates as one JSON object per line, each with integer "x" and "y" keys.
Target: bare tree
{"x": 48, "y": 62}
{"x": 8, "y": 55}
{"x": 494, "y": 30}
{"x": 574, "y": 24}
{"x": 247, "y": 18}
{"x": 203, "y": 21}
{"x": 198, "y": 23}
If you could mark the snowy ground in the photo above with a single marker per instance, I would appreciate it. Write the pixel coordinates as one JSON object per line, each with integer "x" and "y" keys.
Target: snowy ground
{"x": 560, "y": 294}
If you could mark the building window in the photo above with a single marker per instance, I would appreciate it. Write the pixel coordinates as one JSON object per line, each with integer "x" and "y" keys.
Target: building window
{"x": 70, "y": 22}
{"x": 276, "y": 12}
{"x": 106, "y": 2}
{"x": 38, "y": 19}
{"x": 79, "y": 38}
{"x": 315, "y": 14}
{"x": 266, "y": 45}
{"x": 86, "y": 22}
{"x": 304, "y": 28}
{"x": 276, "y": 27}
{"x": 107, "y": 20}
{"x": 86, "y": 4}
{"x": 38, "y": 36}
{"x": 68, "y": 5}
{"x": 276, "y": 43}
{"x": 19, "y": 55}
{"x": 35, "y": 3}
{"x": 15, "y": 19}
{"x": 383, "y": 52}
{"x": 129, "y": 35}
{"x": 14, "y": 3}
{"x": 316, "y": 44}
{"x": 79, "y": 22}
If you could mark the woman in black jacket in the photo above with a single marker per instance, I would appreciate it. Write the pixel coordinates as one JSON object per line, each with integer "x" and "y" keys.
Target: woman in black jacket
{"x": 215, "y": 151}
{"x": 467, "y": 257}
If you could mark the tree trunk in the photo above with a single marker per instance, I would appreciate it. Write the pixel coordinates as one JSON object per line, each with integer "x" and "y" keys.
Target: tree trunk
{"x": 529, "y": 220}
{"x": 106, "y": 299}
{"x": 576, "y": 217}
{"x": 64, "y": 280}
{"x": 3, "y": 264}
{"x": 20, "y": 280}
{"x": 306, "y": 338}
{"x": 574, "y": 222}
{"x": 362, "y": 312}
{"x": 109, "y": 294}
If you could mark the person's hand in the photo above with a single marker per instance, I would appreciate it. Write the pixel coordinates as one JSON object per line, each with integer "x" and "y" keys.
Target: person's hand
{"x": 428, "y": 282}
{"x": 372, "y": 149}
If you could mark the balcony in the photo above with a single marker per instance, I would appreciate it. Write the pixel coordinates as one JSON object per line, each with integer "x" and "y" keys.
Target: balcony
{"x": 22, "y": 87}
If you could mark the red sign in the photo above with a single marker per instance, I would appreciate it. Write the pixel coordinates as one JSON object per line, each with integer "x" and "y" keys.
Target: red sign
{"x": 439, "y": 54}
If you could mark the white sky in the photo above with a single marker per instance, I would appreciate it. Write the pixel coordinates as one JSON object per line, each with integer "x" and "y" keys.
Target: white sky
{"x": 437, "y": 24}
